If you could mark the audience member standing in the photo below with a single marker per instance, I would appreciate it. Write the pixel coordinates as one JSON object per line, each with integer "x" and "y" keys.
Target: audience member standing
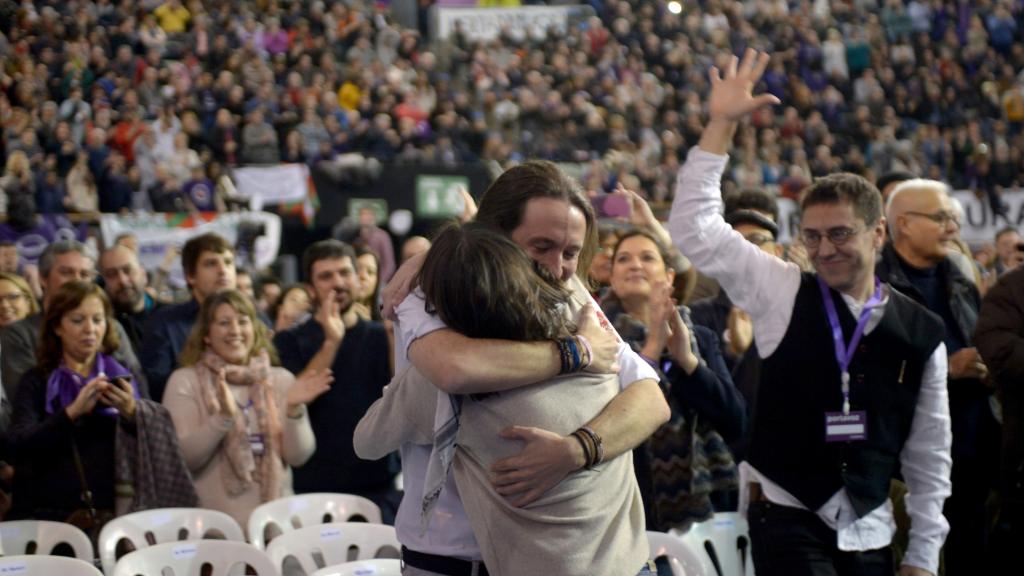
{"x": 916, "y": 262}
{"x": 241, "y": 421}
{"x": 76, "y": 419}
{"x": 999, "y": 336}
{"x": 209, "y": 263}
{"x": 125, "y": 281}
{"x": 853, "y": 378}
{"x": 356, "y": 351}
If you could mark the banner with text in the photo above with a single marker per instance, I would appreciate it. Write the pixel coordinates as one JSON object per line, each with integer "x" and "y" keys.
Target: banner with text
{"x": 158, "y": 233}
{"x": 488, "y": 23}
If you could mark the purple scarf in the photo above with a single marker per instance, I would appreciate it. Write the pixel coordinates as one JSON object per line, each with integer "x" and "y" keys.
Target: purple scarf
{"x": 65, "y": 384}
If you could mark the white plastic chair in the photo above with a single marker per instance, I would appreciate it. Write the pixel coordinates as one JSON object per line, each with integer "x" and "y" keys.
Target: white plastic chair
{"x": 724, "y": 538}
{"x": 15, "y": 537}
{"x": 378, "y": 567}
{"x": 291, "y": 512}
{"x": 188, "y": 558}
{"x": 47, "y": 566}
{"x": 683, "y": 559}
{"x": 333, "y": 542}
{"x": 163, "y": 525}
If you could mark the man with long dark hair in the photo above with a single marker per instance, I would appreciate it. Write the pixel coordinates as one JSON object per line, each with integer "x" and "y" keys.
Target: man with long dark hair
{"x": 545, "y": 212}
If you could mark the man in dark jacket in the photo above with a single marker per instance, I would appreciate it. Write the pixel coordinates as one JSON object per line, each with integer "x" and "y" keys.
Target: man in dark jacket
{"x": 125, "y": 282}
{"x": 1000, "y": 339}
{"x": 916, "y": 262}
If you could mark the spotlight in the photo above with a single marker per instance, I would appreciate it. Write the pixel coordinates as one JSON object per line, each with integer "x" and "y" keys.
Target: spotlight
{"x": 675, "y": 7}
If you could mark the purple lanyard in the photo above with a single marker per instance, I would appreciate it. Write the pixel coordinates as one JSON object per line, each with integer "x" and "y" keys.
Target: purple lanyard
{"x": 844, "y": 352}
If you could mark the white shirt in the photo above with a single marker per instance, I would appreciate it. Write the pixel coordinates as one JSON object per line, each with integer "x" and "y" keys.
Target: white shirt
{"x": 450, "y": 533}
{"x": 766, "y": 288}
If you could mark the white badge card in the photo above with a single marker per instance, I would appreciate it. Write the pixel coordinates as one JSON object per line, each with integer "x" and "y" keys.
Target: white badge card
{"x": 850, "y": 427}
{"x": 256, "y": 443}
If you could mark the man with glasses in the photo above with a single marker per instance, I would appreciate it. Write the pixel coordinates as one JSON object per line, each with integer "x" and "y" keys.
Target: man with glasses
{"x": 853, "y": 374}
{"x": 62, "y": 262}
{"x": 916, "y": 262}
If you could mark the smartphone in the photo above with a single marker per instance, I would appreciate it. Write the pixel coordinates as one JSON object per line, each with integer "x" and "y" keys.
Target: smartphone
{"x": 122, "y": 381}
{"x": 611, "y": 206}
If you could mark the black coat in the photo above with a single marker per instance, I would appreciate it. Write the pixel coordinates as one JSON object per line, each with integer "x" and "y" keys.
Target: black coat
{"x": 1000, "y": 339}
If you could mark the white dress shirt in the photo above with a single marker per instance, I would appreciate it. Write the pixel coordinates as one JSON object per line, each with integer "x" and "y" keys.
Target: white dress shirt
{"x": 766, "y": 288}
{"x": 450, "y": 533}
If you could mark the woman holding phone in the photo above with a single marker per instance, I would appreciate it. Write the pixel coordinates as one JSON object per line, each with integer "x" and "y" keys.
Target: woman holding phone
{"x": 77, "y": 417}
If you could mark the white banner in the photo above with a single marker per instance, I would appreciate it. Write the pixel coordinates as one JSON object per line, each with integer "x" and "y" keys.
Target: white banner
{"x": 158, "y": 232}
{"x": 979, "y": 225}
{"x": 487, "y": 23}
{"x": 264, "y": 185}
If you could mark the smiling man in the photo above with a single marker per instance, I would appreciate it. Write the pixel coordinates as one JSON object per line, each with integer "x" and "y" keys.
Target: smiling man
{"x": 209, "y": 263}
{"x": 917, "y": 262}
{"x": 545, "y": 212}
{"x": 356, "y": 351}
{"x": 853, "y": 379}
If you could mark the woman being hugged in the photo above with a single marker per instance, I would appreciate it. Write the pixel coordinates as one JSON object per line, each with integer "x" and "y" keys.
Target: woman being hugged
{"x": 80, "y": 425}
{"x": 241, "y": 421}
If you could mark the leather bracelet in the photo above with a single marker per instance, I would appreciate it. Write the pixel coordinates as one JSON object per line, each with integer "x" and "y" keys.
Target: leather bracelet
{"x": 586, "y": 449}
{"x": 598, "y": 444}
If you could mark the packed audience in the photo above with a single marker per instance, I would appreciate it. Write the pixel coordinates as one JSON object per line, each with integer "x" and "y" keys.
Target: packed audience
{"x": 110, "y": 106}
{"x": 149, "y": 105}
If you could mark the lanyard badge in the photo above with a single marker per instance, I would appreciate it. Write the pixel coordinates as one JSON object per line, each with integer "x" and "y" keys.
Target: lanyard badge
{"x": 846, "y": 425}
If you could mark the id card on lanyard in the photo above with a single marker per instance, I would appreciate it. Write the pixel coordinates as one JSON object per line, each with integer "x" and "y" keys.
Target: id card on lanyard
{"x": 847, "y": 425}
{"x": 256, "y": 443}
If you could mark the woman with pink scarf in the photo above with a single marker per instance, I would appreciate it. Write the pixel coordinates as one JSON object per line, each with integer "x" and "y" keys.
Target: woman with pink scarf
{"x": 241, "y": 421}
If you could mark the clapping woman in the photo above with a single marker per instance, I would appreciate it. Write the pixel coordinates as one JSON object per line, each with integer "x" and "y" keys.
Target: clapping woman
{"x": 241, "y": 421}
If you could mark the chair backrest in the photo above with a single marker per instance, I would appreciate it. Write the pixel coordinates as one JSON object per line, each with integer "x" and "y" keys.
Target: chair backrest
{"x": 684, "y": 560}
{"x": 188, "y": 559}
{"x": 291, "y": 512}
{"x": 47, "y": 566}
{"x": 377, "y": 567}
{"x": 724, "y": 541}
{"x": 163, "y": 525}
{"x": 333, "y": 542}
{"x": 15, "y": 537}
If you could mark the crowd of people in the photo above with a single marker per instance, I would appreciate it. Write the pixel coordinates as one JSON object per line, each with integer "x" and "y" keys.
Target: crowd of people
{"x": 546, "y": 379}
{"x": 117, "y": 105}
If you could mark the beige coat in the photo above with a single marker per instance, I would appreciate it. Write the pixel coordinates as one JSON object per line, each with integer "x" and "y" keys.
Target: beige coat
{"x": 201, "y": 433}
{"x": 590, "y": 524}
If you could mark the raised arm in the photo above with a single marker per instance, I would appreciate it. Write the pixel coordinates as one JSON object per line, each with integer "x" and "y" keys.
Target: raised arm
{"x": 755, "y": 281}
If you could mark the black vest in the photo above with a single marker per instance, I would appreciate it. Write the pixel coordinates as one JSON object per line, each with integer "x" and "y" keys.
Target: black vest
{"x": 800, "y": 382}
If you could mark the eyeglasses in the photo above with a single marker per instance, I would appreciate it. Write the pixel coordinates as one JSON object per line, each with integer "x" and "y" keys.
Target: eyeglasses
{"x": 759, "y": 239}
{"x": 836, "y": 236}
{"x": 12, "y": 298}
{"x": 941, "y": 218}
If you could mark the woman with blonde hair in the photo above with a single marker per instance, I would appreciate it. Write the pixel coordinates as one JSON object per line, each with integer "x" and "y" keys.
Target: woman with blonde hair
{"x": 241, "y": 421}
{"x": 16, "y": 300}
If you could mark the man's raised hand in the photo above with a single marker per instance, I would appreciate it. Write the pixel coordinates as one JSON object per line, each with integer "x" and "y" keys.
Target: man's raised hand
{"x": 732, "y": 95}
